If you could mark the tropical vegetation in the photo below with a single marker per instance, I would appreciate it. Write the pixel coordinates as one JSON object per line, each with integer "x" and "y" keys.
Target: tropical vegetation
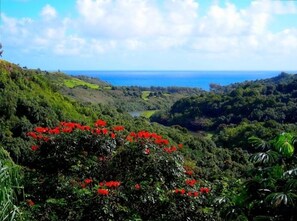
{"x": 70, "y": 151}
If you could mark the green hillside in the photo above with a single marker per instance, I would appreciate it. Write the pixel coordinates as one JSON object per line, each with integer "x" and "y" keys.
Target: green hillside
{"x": 134, "y": 98}
{"x": 69, "y": 157}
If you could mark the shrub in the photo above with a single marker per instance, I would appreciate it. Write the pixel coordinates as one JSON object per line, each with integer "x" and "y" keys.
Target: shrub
{"x": 105, "y": 172}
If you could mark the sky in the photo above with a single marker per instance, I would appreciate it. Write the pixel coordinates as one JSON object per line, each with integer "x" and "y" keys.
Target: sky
{"x": 150, "y": 34}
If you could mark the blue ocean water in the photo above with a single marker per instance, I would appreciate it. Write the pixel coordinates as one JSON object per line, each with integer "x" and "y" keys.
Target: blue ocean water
{"x": 197, "y": 79}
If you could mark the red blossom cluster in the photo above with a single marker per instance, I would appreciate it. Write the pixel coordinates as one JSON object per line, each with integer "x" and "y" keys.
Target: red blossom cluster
{"x": 43, "y": 133}
{"x": 204, "y": 190}
{"x": 100, "y": 131}
{"x": 34, "y": 147}
{"x": 37, "y": 136}
{"x": 180, "y": 191}
{"x": 100, "y": 123}
{"x": 110, "y": 184}
{"x": 170, "y": 149}
{"x": 86, "y": 182}
{"x": 118, "y": 128}
{"x": 156, "y": 138}
{"x": 137, "y": 186}
{"x": 184, "y": 192}
{"x": 104, "y": 192}
{"x": 192, "y": 193}
{"x": 191, "y": 182}
{"x": 188, "y": 171}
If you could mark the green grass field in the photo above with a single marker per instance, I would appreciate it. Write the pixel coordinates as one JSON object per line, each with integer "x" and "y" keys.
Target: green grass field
{"x": 148, "y": 114}
{"x": 73, "y": 82}
{"x": 145, "y": 95}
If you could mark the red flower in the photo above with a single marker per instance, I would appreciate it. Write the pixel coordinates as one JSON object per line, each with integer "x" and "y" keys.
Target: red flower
{"x": 85, "y": 128}
{"x": 30, "y": 203}
{"x": 180, "y": 145}
{"x": 100, "y": 123}
{"x": 129, "y": 138}
{"x": 170, "y": 150}
{"x": 54, "y": 131}
{"x": 112, "y": 135}
{"x": 103, "y": 192}
{"x": 147, "y": 151}
{"x": 111, "y": 184}
{"x": 195, "y": 194}
{"x": 118, "y": 128}
{"x": 181, "y": 191}
{"x": 161, "y": 141}
{"x": 32, "y": 134}
{"x": 97, "y": 131}
{"x": 191, "y": 182}
{"x": 67, "y": 130}
{"x": 101, "y": 158}
{"x": 88, "y": 181}
{"x": 35, "y": 147}
{"x": 104, "y": 131}
{"x": 204, "y": 190}
{"x": 45, "y": 139}
{"x": 137, "y": 186}
{"x": 133, "y": 134}
{"x": 41, "y": 129}
{"x": 144, "y": 134}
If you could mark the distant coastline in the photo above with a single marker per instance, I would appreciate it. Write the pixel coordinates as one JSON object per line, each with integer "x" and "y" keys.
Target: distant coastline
{"x": 195, "y": 79}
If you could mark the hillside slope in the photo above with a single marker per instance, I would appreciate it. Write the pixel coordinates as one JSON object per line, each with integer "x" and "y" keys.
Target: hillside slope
{"x": 126, "y": 98}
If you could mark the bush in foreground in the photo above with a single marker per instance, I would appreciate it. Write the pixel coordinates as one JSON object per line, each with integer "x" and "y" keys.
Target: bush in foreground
{"x": 79, "y": 172}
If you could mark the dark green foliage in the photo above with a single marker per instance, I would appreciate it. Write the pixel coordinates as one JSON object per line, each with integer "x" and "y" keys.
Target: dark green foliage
{"x": 270, "y": 193}
{"x": 258, "y": 101}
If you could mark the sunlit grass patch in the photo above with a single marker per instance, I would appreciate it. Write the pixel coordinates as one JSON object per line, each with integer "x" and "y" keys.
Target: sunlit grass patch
{"x": 145, "y": 95}
{"x": 148, "y": 114}
{"x": 73, "y": 82}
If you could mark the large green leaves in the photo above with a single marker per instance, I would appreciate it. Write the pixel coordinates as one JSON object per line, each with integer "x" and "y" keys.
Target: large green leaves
{"x": 264, "y": 157}
{"x": 258, "y": 143}
{"x": 281, "y": 198}
{"x": 284, "y": 144}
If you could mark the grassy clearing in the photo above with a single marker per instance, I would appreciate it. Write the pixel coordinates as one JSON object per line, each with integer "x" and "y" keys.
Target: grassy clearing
{"x": 73, "y": 82}
{"x": 145, "y": 95}
{"x": 148, "y": 114}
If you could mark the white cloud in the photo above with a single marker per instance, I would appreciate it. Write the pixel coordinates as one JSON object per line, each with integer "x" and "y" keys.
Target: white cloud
{"x": 48, "y": 12}
{"x": 105, "y": 26}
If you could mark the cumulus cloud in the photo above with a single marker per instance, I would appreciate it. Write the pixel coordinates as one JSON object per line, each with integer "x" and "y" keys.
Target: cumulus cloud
{"x": 48, "y": 12}
{"x": 102, "y": 26}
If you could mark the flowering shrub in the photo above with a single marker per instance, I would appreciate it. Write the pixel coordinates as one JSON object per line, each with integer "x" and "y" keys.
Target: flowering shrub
{"x": 105, "y": 172}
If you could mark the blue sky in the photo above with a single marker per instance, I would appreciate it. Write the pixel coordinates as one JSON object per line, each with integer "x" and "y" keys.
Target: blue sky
{"x": 150, "y": 34}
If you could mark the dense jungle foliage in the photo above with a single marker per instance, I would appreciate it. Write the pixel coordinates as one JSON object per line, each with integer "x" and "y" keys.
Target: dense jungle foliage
{"x": 64, "y": 158}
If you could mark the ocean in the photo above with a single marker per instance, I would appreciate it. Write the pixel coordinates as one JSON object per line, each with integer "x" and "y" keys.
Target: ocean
{"x": 195, "y": 79}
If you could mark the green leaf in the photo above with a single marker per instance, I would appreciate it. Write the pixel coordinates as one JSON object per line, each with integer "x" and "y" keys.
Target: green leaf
{"x": 264, "y": 157}
{"x": 283, "y": 143}
{"x": 278, "y": 199}
{"x": 290, "y": 173}
{"x": 258, "y": 143}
